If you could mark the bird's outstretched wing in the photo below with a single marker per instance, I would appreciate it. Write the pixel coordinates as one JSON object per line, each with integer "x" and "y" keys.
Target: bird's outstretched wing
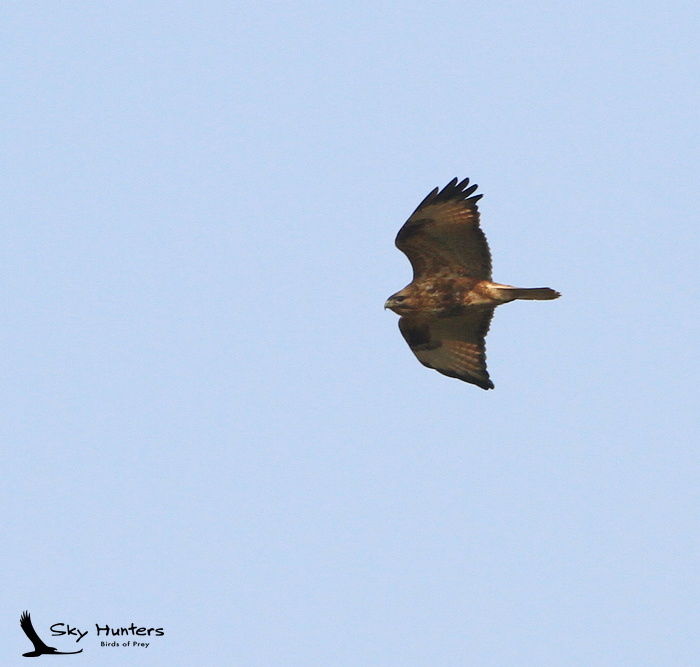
{"x": 443, "y": 236}
{"x": 454, "y": 346}
{"x": 25, "y": 621}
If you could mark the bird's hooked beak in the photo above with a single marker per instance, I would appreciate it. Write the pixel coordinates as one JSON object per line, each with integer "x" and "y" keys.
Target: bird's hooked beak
{"x": 390, "y": 302}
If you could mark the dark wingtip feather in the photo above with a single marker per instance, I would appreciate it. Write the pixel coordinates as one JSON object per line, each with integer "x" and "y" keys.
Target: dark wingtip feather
{"x": 465, "y": 377}
{"x": 483, "y": 384}
{"x": 429, "y": 198}
{"x": 453, "y": 191}
{"x": 456, "y": 191}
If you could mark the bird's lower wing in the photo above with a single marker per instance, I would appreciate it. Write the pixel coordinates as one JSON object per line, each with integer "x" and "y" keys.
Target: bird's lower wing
{"x": 453, "y": 346}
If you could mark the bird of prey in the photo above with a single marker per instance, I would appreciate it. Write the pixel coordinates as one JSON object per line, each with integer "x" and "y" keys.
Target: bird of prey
{"x": 446, "y": 311}
{"x": 39, "y": 647}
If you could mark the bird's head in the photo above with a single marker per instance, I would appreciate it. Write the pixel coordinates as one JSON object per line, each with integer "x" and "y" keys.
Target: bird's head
{"x": 401, "y": 302}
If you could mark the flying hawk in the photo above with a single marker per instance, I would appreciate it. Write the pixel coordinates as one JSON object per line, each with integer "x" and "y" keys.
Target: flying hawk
{"x": 446, "y": 311}
{"x": 25, "y": 620}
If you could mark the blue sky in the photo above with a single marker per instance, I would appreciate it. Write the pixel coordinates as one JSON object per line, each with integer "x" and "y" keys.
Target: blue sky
{"x": 210, "y": 424}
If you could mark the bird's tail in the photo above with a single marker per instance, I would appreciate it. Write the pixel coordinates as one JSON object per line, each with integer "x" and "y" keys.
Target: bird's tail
{"x": 533, "y": 293}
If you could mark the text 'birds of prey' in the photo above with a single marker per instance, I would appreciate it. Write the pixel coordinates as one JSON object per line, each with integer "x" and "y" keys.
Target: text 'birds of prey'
{"x": 446, "y": 311}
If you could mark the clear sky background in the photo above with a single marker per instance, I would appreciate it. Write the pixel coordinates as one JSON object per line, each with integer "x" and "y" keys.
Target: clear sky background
{"x": 209, "y": 423}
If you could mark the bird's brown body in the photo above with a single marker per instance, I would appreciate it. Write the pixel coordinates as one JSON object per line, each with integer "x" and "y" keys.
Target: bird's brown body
{"x": 448, "y": 296}
{"x": 446, "y": 310}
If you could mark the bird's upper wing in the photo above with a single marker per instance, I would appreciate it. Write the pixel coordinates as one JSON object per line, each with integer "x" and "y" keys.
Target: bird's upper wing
{"x": 443, "y": 234}
{"x": 454, "y": 346}
{"x": 25, "y": 621}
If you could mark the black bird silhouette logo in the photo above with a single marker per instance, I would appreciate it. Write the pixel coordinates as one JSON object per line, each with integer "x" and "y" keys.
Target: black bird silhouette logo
{"x": 39, "y": 647}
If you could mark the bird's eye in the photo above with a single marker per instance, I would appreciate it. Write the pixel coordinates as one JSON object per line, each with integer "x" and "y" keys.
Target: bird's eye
{"x": 399, "y": 298}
